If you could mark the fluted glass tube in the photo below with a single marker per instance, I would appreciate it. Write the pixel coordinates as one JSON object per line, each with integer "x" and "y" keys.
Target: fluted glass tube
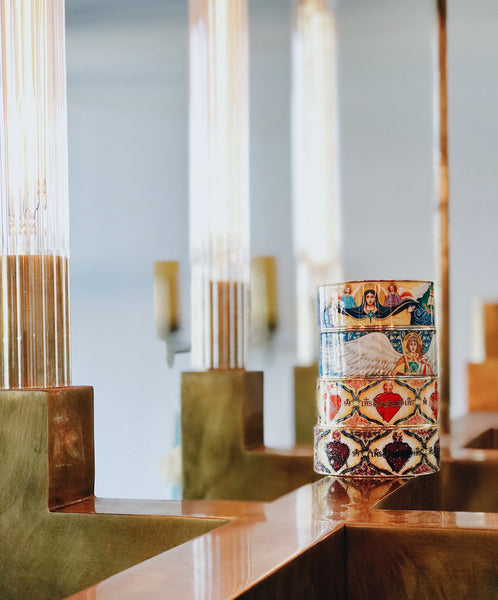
{"x": 34, "y": 319}
{"x": 315, "y": 163}
{"x": 219, "y": 182}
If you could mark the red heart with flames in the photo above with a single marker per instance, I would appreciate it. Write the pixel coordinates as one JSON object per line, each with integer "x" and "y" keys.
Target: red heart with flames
{"x": 387, "y": 404}
{"x": 397, "y": 453}
{"x": 433, "y": 401}
{"x": 331, "y": 405}
{"x": 337, "y": 452}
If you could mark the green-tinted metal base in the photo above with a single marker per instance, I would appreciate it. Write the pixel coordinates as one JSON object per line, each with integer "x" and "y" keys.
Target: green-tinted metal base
{"x": 222, "y": 440}
{"x": 305, "y": 403}
{"x": 46, "y": 458}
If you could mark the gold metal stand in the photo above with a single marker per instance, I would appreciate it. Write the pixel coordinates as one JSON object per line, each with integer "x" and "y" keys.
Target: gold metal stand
{"x": 222, "y": 441}
{"x": 46, "y": 461}
{"x": 305, "y": 414}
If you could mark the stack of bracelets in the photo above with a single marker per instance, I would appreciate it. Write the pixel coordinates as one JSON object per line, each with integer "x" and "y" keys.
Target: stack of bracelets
{"x": 377, "y": 398}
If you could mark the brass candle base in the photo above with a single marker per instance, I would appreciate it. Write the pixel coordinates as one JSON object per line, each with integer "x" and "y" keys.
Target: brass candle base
{"x": 46, "y": 460}
{"x": 305, "y": 412}
{"x": 224, "y": 456}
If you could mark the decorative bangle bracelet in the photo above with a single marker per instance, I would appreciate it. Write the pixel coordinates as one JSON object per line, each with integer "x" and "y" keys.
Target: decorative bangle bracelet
{"x": 376, "y": 452}
{"x": 377, "y": 402}
{"x": 387, "y": 352}
{"x": 374, "y": 303}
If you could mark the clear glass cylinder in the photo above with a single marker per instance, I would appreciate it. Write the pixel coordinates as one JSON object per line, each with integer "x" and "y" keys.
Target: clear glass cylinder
{"x": 315, "y": 163}
{"x": 34, "y": 320}
{"x": 219, "y": 182}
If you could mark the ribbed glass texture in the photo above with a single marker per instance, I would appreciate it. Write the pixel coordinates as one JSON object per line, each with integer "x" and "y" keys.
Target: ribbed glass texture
{"x": 315, "y": 163}
{"x": 219, "y": 182}
{"x": 34, "y": 319}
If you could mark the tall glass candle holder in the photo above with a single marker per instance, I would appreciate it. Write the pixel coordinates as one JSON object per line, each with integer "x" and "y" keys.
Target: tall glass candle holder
{"x": 315, "y": 162}
{"x": 34, "y": 319}
{"x": 219, "y": 182}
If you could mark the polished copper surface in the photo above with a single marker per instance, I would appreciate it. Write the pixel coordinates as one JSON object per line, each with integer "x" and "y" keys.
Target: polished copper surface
{"x": 247, "y": 550}
{"x": 292, "y": 547}
{"x": 332, "y": 527}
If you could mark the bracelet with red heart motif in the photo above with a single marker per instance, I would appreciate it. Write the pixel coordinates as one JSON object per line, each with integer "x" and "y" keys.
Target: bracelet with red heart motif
{"x": 377, "y": 402}
{"x": 376, "y": 452}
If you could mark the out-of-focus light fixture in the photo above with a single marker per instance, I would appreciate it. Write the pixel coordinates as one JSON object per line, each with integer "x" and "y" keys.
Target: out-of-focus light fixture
{"x": 34, "y": 319}
{"x": 219, "y": 182}
{"x": 264, "y": 313}
{"x": 315, "y": 163}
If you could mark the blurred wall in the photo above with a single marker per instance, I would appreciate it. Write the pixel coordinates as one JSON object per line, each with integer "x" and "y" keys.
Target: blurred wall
{"x": 128, "y": 128}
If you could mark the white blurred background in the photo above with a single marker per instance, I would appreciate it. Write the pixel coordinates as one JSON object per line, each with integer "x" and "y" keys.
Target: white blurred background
{"x": 127, "y": 65}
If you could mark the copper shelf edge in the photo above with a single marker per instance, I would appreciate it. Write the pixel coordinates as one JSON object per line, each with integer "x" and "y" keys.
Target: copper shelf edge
{"x": 261, "y": 540}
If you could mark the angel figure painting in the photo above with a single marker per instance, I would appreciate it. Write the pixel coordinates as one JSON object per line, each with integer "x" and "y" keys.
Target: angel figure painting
{"x": 402, "y": 353}
{"x": 412, "y": 362}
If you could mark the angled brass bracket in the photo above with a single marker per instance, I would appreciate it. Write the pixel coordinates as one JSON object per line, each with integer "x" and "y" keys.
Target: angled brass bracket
{"x": 222, "y": 439}
{"x": 47, "y": 461}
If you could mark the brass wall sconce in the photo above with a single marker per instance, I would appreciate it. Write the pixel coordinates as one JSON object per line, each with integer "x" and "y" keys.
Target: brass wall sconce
{"x": 264, "y": 301}
{"x": 482, "y": 375}
{"x": 166, "y": 309}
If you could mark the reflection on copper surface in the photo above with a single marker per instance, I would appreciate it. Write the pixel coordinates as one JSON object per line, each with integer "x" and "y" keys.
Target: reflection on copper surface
{"x": 307, "y": 527}
{"x": 369, "y": 491}
{"x": 329, "y": 499}
{"x": 68, "y": 445}
{"x": 340, "y": 498}
{"x": 211, "y": 558}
